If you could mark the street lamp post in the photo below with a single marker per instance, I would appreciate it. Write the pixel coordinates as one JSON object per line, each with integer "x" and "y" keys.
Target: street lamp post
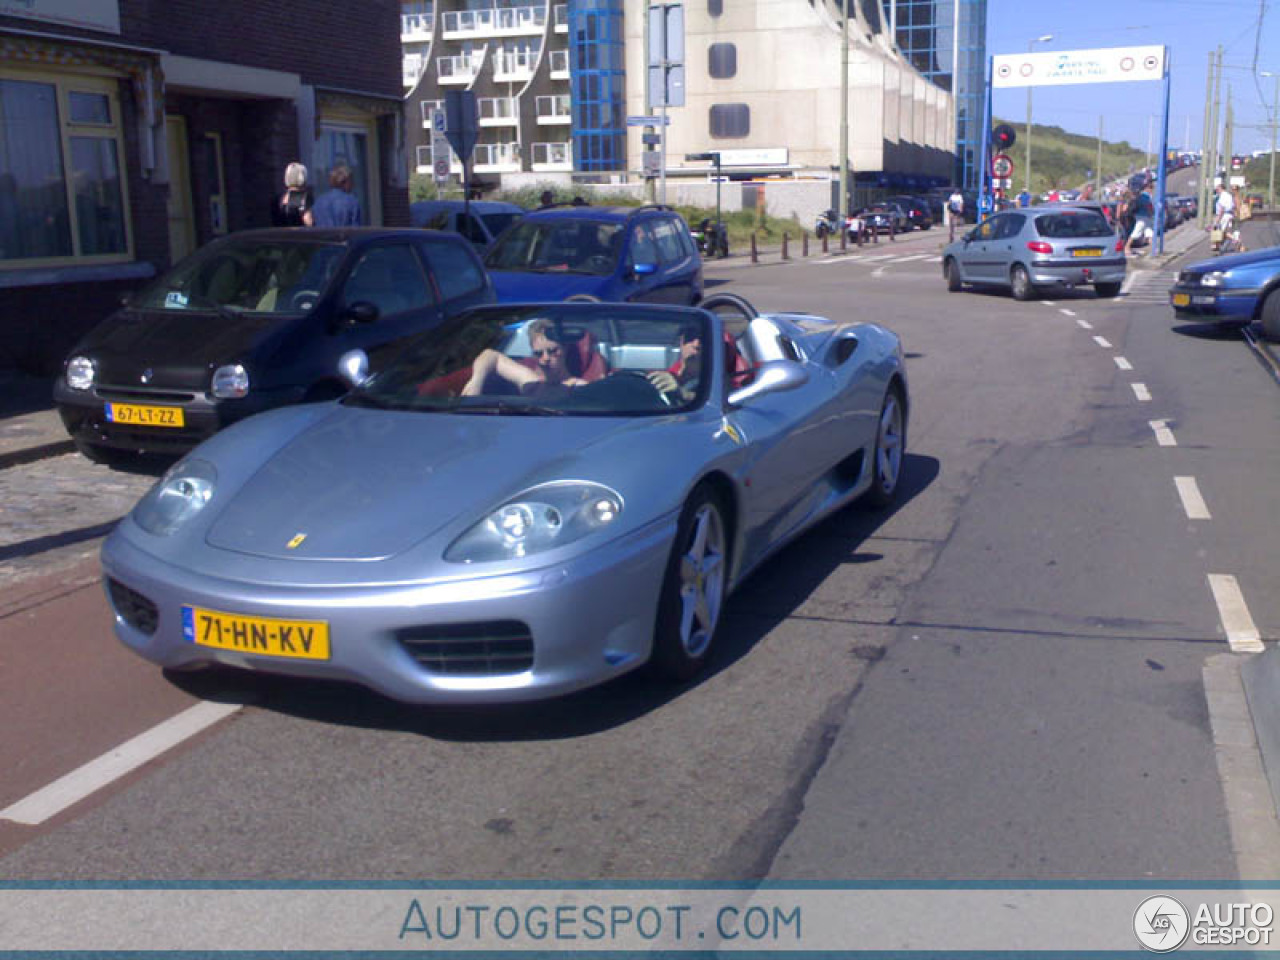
{"x": 1031, "y": 43}
{"x": 1275, "y": 115}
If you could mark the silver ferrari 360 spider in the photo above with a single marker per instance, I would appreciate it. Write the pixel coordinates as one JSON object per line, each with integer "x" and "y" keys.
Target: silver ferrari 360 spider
{"x": 528, "y": 500}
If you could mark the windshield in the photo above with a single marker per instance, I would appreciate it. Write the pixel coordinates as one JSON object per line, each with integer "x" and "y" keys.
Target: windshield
{"x": 1073, "y": 223}
{"x": 246, "y": 274}
{"x": 559, "y": 246}
{"x": 549, "y": 360}
{"x": 497, "y": 222}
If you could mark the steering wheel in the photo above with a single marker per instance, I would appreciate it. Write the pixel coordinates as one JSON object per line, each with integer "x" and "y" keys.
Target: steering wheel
{"x": 304, "y": 299}
{"x": 666, "y": 397}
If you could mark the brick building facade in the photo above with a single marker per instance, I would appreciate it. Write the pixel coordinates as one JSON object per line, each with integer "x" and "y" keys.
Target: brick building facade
{"x": 134, "y": 131}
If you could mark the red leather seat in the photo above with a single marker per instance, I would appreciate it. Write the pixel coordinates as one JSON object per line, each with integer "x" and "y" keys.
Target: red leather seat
{"x": 736, "y": 367}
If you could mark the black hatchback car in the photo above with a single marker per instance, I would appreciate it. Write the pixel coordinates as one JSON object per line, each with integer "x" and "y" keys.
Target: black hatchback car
{"x": 253, "y": 321}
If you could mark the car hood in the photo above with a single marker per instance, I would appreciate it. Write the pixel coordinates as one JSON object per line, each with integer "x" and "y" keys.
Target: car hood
{"x": 179, "y": 347}
{"x": 369, "y": 485}
{"x": 1234, "y": 261}
{"x": 519, "y": 287}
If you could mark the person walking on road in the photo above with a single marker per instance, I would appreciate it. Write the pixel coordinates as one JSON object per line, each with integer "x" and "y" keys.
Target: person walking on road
{"x": 1224, "y": 209}
{"x": 337, "y": 207}
{"x": 1144, "y": 219}
{"x": 955, "y": 211}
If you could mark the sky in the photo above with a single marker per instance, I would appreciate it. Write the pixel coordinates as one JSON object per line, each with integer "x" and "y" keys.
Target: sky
{"x": 1190, "y": 29}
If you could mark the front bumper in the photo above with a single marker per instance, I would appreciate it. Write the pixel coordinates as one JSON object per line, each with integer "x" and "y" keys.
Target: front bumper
{"x": 1068, "y": 273}
{"x": 589, "y": 619}
{"x": 84, "y": 414}
{"x": 1190, "y": 302}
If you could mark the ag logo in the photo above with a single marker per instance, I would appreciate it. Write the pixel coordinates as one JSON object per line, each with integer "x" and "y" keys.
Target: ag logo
{"x": 1161, "y": 924}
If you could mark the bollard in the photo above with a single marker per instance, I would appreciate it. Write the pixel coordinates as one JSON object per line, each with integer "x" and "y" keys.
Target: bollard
{"x": 860, "y": 232}
{"x": 755, "y": 256}
{"x": 892, "y": 224}
{"x": 785, "y": 255}
{"x": 844, "y": 238}
{"x": 804, "y": 247}
{"x": 824, "y": 243}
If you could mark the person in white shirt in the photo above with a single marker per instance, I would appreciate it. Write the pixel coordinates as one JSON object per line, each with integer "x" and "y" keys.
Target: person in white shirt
{"x": 955, "y": 210}
{"x": 1224, "y": 209}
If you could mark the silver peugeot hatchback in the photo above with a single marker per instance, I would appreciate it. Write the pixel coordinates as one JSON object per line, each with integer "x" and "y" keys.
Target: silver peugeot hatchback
{"x": 1035, "y": 248}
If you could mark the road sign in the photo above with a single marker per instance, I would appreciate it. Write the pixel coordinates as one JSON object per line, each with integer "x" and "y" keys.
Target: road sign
{"x": 648, "y": 121}
{"x": 462, "y": 125}
{"x": 651, "y": 139}
{"x": 440, "y": 164}
{"x": 1002, "y": 166}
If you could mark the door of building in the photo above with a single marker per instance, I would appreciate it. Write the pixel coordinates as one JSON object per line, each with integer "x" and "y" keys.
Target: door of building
{"x": 182, "y": 228}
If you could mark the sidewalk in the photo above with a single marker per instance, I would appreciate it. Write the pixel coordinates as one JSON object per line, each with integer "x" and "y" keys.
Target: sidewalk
{"x": 30, "y": 428}
{"x": 916, "y": 241}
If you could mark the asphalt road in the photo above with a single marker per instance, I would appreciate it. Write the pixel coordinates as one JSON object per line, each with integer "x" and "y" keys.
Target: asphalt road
{"x": 1002, "y": 677}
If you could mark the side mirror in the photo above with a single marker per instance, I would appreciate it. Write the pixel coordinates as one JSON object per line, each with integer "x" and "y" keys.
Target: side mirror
{"x": 775, "y": 376}
{"x": 353, "y": 367}
{"x": 362, "y": 311}
{"x": 644, "y": 269}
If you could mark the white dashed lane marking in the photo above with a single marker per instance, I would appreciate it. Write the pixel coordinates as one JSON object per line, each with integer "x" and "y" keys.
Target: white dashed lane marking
{"x": 1123, "y": 364}
{"x": 1141, "y": 392}
{"x": 1241, "y": 631}
{"x": 1084, "y": 324}
{"x": 1066, "y": 312}
{"x": 1102, "y": 342}
{"x": 1164, "y": 436}
{"x": 1192, "y": 503}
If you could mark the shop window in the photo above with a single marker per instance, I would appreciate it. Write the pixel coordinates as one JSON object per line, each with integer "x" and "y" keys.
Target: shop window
{"x": 723, "y": 60}
{"x": 62, "y": 184}
{"x": 730, "y": 120}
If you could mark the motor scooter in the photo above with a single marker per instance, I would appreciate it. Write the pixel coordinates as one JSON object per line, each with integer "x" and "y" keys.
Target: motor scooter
{"x": 827, "y": 224}
{"x": 712, "y": 239}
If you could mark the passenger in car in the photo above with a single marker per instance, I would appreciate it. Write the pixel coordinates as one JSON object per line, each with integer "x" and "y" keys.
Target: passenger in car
{"x": 683, "y": 375}
{"x": 550, "y": 365}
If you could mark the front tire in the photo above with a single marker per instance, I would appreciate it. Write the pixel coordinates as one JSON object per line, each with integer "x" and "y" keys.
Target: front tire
{"x": 693, "y": 589}
{"x": 1020, "y": 280}
{"x": 888, "y": 453}
{"x": 1106, "y": 289}
{"x": 951, "y": 270}
{"x": 1271, "y": 316}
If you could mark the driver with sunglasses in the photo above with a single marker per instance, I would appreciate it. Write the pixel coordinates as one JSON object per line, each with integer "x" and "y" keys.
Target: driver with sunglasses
{"x": 549, "y": 367}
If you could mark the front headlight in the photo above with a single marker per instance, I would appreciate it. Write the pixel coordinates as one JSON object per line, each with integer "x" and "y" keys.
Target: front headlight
{"x": 540, "y": 518}
{"x": 230, "y": 382}
{"x": 1213, "y": 279}
{"x": 179, "y": 496}
{"x": 80, "y": 373}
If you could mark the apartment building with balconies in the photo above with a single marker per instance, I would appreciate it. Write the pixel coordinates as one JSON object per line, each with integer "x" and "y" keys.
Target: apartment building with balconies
{"x": 514, "y": 56}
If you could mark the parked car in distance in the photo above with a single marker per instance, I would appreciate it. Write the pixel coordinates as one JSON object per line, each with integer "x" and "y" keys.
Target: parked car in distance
{"x": 919, "y": 216}
{"x": 1237, "y": 289}
{"x": 881, "y": 218}
{"x": 641, "y": 254}
{"x": 442, "y": 537}
{"x": 1038, "y": 248}
{"x": 479, "y": 221}
{"x": 253, "y": 321}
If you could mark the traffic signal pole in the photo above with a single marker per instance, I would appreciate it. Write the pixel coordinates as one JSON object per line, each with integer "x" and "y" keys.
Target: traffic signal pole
{"x": 984, "y": 166}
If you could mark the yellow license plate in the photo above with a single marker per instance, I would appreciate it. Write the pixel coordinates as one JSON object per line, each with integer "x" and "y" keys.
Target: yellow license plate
{"x": 1087, "y": 252}
{"x": 260, "y": 636}
{"x": 145, "y": 415}
{"x": 1182, "y": 299}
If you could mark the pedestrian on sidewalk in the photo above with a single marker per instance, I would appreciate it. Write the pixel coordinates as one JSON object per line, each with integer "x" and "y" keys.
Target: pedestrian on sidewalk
{"x": 1144, "y": 219}
{"x": 337, "y": 207}
{"x": 293, "y": 207}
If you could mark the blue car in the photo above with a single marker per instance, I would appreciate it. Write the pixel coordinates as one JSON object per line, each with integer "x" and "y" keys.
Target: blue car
{"x": 1237, "y": 288}
{"x": 615, "y": 254}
